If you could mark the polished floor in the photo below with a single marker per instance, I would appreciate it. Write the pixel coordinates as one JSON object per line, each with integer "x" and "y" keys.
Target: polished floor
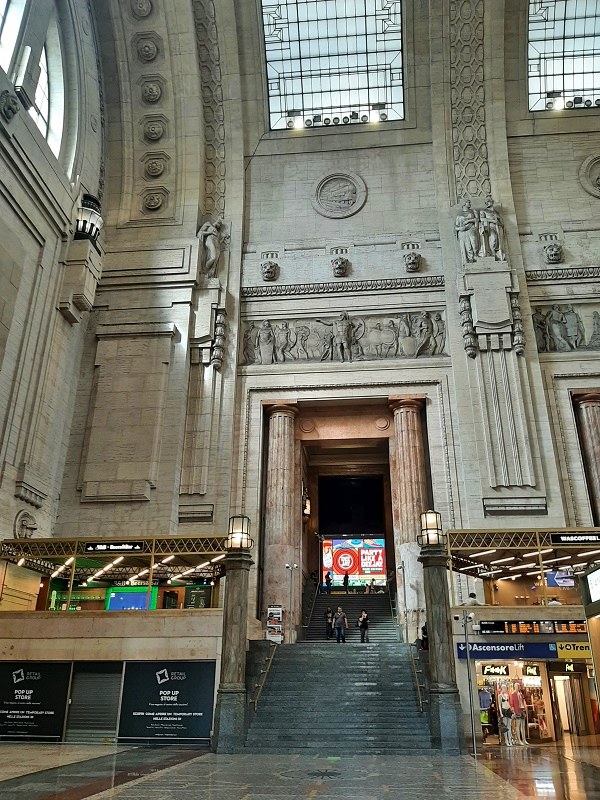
{"x": 570, "y": 771}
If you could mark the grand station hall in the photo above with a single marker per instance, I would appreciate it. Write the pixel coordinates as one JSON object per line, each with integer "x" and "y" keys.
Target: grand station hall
{"x": 299, "y": 399}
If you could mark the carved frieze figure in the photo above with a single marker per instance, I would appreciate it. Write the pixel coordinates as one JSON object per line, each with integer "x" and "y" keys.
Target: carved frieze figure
{"x": 439, "y": 334}
{"x": 467, "y": 231}
{"x": 557, "y": 329}
{"x": 249, "y": 344}
{"x": 269, "y": 270}
{"x": 211, "y": 240}
{"x": 9, "y": 105}
{"x": 412, "y": 261}
{"x": 343, "y": 335}
{"x": 340, "y": 266}
{"x": 265, "y": 343}
{"x": 491, "y": 231}
{"x": 575, "y": 330}
{"x": 424, "y": 330}
{"x": 553, "y": 253}
{"x": 595, "y": 338}
{"x": 284, "y": 341}
{"x": 540, "y": 326}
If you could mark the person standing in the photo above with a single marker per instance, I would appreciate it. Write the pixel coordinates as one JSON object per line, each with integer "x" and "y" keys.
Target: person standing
{"x": 328, "y": 582}
{"x": 340, "y": 623}
{"x": 329, "y": 623}
{"x": 346, "y": 581}
{"x": 363, "y": 624}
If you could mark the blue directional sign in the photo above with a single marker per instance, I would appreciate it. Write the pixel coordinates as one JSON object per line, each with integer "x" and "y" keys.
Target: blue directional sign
{"x": 500, "y": 650}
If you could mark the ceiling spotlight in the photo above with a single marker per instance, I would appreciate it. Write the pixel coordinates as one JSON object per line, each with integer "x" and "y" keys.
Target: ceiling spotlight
{"x": 569, "y": 104}
{"x": 383, "y": 116}
{"x": 550, "y": 104}
{"x": 308, "y": 123}
{"x": 364, "y": 118}
{"x": 290, "y": 123}
{"x": 345, "y": 120}
{"x": 336, "y": 120}
{"x": 598, "y": 102}
{"x": 559, "y": 104}
{"x": 327, "y": 121}
{"x": 587, "y": 103}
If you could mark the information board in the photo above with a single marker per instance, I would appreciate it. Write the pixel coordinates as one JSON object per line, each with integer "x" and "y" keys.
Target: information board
{"x": 168, "y": 700}
{"x": 33, "y": 699}
{"x": 197, "y": 596}
{"x": 525, "y": 628}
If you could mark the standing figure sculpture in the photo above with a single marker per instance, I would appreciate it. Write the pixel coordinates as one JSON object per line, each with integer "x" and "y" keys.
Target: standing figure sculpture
{"x": 265, "y": 342}
{"x": 540, "y": 326}
{"x": 575, "y": 329}
{"x": 595, "y": 338}
{"x": 424, "y": 329}
{"x": 557, "y": 329}
{"x": 249, "y": 344}
{"x": 439, "y": 334}
{"x": 491, "y": 231}
{"x": 211, "y": 239}
{"x": 343, "y": 335}
{"x": 467, "y": 230}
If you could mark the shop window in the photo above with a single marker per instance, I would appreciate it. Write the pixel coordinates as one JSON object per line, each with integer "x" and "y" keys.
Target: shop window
{"x": 564, "y": 54}
{"x": 333, "y": 63}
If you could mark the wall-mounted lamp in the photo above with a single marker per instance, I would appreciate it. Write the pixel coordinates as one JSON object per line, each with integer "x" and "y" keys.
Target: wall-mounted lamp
{"x": 89, "y": 219}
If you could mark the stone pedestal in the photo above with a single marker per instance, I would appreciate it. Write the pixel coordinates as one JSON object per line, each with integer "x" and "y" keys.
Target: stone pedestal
{"x": 230, "y": 713}
{"x": 589, "y": 431}
{"x": 409, "y": 497}
{"x": 282, "y": 515}
{"x": 445, "y": 713}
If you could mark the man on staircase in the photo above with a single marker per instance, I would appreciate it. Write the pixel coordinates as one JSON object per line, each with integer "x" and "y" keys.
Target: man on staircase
{"x": 340, "y": 623}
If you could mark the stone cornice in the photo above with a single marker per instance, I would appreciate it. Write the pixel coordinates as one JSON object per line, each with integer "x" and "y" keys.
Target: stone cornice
{"x": 564, "y": 273}
{"x": 382, "y": 284}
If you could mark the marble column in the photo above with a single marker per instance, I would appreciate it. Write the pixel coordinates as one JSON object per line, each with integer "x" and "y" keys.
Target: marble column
{"x": 445, "y": 713}
{"x": 589, "y": 433}
{"x": 409, "y": 500}
{"x": 283, "y": 523}
{"x": 231, "y": 709}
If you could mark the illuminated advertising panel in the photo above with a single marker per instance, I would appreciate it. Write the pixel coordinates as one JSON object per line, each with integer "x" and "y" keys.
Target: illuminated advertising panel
{"x": 362, "y": 559}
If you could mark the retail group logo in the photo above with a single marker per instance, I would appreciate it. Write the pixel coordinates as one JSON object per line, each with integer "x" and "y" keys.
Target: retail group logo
{"x": 18, "y": 676}
{"x": 162, "y": 676}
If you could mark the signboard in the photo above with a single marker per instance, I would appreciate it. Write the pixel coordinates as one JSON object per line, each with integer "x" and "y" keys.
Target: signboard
{"x": 572, "y": 650}
{"x": 575, "y": 538}
{"x": 197, "y": 597}
{"x": 275, "y": 624}
{"x": 33, "y": 699}
{"x": 593, "y": 582}
{"x": 167, "y": 700}
{"x": 536, "y": 651}
{"x": 525, "y": 628}
{"x": 570, "y": 667}
{"x": 498, "y": 670}
{"x": 362, "y": 559}
{"x": 114, "y": 547}
{"x": 531, "y": 671}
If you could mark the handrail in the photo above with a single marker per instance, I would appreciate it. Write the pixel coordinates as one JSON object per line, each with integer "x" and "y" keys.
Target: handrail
{"x": 263, "y": 676}
{"x": 312, "y": 606}
{"x": 416, "y": 671}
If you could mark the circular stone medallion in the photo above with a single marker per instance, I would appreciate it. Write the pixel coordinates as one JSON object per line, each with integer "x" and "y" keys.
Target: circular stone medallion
{"x": 589, "y": 175}
{"x": 339, "y": 195}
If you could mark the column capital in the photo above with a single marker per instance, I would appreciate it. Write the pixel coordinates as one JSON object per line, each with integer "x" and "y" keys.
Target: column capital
{"x": 238, "y": 559}
{"x": 291, "y": 410}
{"x": 433, "y": 557}
{"x": 587, "y": 398}
{"x": 407, "y": 402}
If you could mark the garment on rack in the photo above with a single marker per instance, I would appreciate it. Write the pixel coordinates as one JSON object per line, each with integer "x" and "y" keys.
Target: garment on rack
{"x": 485, "y": 698}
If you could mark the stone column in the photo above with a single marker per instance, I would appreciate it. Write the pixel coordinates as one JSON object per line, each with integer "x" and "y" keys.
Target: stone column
{"x": 589, "y": 432}
{"x": 410, "y": 499}
{"x": 283, "y": 525}
{"x": 230, "y": 712}
{"x": 445, "y": 714}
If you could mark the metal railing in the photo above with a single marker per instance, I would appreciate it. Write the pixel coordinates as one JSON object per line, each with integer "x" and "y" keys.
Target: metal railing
{"x": 258, "y": 687}
{"x": 415, "y": 664}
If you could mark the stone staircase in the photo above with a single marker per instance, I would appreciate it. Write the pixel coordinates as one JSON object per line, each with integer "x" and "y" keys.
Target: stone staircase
{"x": 382, "y": 625}
{"x": 335, "y": 699}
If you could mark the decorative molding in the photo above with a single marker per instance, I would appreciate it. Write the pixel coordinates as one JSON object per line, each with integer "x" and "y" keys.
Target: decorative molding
{"x": 466, "y": 321}
{"x": 26, "y": 491}
{"x": 467, "y": 98}
{"x": 202, "y": 512}
{"x": 218, "y": 349}
{"x": 378, "y": 285}
{"x": 514, "y": 505}
{"x": 564, "y": 273}
{"x": 340, "y": 266}
{"x": 9, "y": 105}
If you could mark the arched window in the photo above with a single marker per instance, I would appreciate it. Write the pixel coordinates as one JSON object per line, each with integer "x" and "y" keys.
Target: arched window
{"x": 564, "y": 54}
{"x": 11, "y": 17}
{"x": 333, "y": 63}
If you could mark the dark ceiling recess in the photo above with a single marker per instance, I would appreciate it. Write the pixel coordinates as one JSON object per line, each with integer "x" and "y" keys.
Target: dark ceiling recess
{"x": 351, "y": 506}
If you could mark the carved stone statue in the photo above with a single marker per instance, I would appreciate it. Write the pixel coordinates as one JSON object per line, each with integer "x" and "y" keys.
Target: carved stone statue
{"x": 284, "y": 341}
{"x": 424, "y": 329}
{"x": 340, "y": 267}
{"x": 249, "y": 344}
{"x": 595, "y": 338}
{"x": 412, "y": 261}
{"x": 491, "y": 232}
{"x": 9, "y": 105}
{"x": 540, "y": 326}
{"x": 439, "y": 334}
{"x": 575, "y": 329}
{"x": 553, "y": 253}
{"x": 211, "y": 239}
{"x": 557, "y": 329}
{"x": 269, "y": 270}
{"x": 265, "y": 343}
{"x": 344, "y": 335}
{"x": 467, "y": 230}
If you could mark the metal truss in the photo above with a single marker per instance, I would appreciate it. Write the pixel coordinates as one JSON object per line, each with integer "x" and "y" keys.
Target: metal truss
{"x": 40, "y": 549}
{"x": 531, "y": 539}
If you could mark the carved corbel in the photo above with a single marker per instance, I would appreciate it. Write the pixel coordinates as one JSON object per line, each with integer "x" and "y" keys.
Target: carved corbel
{"x": 81, "y": 272}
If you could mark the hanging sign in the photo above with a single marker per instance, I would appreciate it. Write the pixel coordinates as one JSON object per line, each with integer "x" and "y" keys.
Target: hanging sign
{"x": 531, "y": 671}
{"x": 33, "y": 700}
{"x": 275, "y": 630}
{"x": 114, "y": 547}
{"x": 497, "y": 670}
{"x": 503, "y": 650}
{"x": 575, "y": 538}
{"x": 574, "y": 650}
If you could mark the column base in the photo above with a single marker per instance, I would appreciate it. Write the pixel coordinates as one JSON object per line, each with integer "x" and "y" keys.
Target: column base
{"x": 446, "y": 720}
{"x": 230, "y": 720}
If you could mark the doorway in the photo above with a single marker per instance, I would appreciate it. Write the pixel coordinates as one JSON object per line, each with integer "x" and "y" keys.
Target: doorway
{"x": 569, "y": 706}
{"x": 94, "y": 701}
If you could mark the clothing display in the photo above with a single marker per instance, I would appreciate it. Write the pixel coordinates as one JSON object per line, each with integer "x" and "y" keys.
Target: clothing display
{"x": 511, "y": 710}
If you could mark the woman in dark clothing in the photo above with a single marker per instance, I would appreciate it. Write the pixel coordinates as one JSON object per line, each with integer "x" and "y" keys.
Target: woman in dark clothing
{"x": 329, "y": 623}
{"x": 363, "y": 624}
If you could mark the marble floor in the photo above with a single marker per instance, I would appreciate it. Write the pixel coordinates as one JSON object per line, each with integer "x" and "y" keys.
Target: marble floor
{"x": 570, "y": 771}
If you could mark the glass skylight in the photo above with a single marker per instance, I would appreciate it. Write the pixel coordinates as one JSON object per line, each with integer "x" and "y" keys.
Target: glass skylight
{"x": 564, "y": 54}
{"x": 41, "y": 106}
{"x": 333, "y": 62}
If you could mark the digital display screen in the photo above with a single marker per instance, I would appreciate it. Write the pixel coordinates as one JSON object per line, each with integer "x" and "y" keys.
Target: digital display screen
{"x": 362, "y": 559}
{"x": 532, "y": 627}
{"x": 572, "y": 626}
{"x": 131, "y": 599}
{"x": 560, "y": 580}
{"x": 525, "y": 628}
{"x": 593, "y": 582}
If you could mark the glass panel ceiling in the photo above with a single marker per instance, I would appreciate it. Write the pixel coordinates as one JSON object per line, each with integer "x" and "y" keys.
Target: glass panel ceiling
{"x": 333, "y": 62}
{"x": 564, "y": 54}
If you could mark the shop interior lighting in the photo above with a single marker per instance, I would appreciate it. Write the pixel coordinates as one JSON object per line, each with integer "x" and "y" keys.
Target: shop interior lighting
{"x": 562, "y": 558}
{"x": 142, "y": 573}
{"x": 536, "y": 553}
{"x": 167, "y": 559}
{"x": 503, "y": 560}
{"x": 588, "y": 553}
{"x": 535, "y": 572}
{"x": 69, "y": 561}
{"x": 490, "y": 572}
{"x": 20, "y": 562}
{"x": 484, "y": 553}
{"x": 218, "y": 558}
{"x": 522, "y": 566}
{"x": 201, "y": 566}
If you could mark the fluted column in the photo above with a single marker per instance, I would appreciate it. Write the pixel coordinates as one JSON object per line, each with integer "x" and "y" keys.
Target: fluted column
{"x": 409, "y": 500}
{"x": 282, "y": 509}
{"x": 589, "y": 431}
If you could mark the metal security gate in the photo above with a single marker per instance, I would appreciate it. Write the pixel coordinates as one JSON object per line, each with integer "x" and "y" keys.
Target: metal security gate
{"x": 94, "y": 702}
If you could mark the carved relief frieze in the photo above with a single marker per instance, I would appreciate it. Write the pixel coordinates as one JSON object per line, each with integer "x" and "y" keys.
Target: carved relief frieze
{"x": 378, "y": 284}
{"x": 345, "y": 338}
{"x": 561, "y": 329}
{"x": 155, "y": 163}
{"x": 564, "y": 274}
{"x": 154, "y": 199}
{"x": 339, "y": 195}
{"x": 151, "y": 90}
{"x": 466, "y": 321}
{"x": 218, "y": 349}
{"x": 25, "y": 525}
{"x": 154, "y": 128}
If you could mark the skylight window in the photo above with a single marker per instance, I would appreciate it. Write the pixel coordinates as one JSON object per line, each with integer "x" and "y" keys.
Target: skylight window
{"x": 333, "y": 62}
{"x": 564, "y": 54}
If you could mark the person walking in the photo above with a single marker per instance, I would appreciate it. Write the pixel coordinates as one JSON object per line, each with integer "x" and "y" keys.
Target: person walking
{"x": 329, "y": 623}
{"x": 328, "y": 582}
{"x": 346, "y": 581}
{"x": 363, "y": 624}
{"x": 340, "y": 623}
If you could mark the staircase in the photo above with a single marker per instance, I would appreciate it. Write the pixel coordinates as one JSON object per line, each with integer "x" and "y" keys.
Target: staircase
{"x": 340, "y": 699}
{"x": 382, "y": 626}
